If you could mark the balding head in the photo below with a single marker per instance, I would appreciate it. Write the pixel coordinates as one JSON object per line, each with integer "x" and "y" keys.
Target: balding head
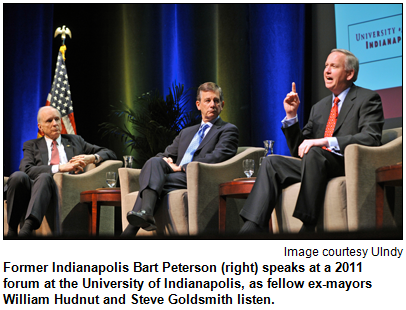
{"x": 49, "y": 122}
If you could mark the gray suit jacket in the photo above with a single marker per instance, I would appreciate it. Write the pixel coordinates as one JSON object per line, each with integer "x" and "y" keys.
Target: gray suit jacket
{"x": 360, "y": 121}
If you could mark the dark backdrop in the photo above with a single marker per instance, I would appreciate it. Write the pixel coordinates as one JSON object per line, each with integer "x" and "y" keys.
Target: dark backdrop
{"x": 119, "y": 51}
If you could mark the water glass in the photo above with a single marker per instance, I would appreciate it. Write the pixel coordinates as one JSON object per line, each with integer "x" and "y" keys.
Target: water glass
{"x": 111, "y": 179}
{"x": 248, "y": 166}
{"x": 128, "y": 161}
{"x": 268, "y": 144}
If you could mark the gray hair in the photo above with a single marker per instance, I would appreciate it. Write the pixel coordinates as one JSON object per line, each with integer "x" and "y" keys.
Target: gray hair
{"x": 351, "y": 62}
{"x": 45, "y": 107}
{"x": 210, "y": 86}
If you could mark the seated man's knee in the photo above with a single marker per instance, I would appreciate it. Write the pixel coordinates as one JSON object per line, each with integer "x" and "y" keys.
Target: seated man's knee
{"x": 273, "y": 160}
{"x": 44, "y": 178}
{"x": 153, "y": 161}
{"x": 314, "y": 153}
{"x": 19, "y": 178}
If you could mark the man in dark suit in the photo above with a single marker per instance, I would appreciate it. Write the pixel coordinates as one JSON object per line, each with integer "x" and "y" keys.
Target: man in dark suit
{"x": 212, "y": 141}
{"x": 32, "y": 190}
{"x": 320, "y": 145}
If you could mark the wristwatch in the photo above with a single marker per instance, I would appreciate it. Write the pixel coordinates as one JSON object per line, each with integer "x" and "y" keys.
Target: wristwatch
{"x": 96, "y": 158}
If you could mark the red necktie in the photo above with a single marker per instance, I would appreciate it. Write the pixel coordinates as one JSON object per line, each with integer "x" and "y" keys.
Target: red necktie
{"x": 332, "y": 120}
{"x": 54, "y": 154}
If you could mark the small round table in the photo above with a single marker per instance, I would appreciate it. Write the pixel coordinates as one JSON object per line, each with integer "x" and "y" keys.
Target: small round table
{"x": 96, "y": 198}
{"x": 238, "y": 188}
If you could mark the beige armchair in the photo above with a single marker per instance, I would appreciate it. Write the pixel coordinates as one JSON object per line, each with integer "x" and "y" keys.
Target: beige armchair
{"x": 193, "y": 210}
{"x": 350, "y": 200}
{"x": 73, "y": 215}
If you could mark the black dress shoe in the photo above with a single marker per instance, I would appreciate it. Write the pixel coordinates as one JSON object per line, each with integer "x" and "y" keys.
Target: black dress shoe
{"x": 141, "y": 219}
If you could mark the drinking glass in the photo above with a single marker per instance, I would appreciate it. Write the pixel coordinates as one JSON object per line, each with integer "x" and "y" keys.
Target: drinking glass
{"x": 248, "y": 166}
{"x": 268, "y": 144}
{"x": 111, "y": 179}
{"x": 128, "y": 161}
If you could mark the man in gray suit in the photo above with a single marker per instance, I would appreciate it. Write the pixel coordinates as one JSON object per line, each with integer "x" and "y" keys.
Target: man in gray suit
{"x": 212, "y": 141}
{"x": 32, "y": 190}
{"x": 350, "y": 115}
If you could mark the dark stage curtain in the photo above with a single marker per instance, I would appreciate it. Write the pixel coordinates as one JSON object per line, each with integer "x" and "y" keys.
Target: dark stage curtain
{"x": 27, "y": 56}
{"x": 120, "y": 51}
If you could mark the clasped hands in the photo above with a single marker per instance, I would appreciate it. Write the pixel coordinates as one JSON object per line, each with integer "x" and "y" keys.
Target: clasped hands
{"x": 291, "y": 105}
{"x": 77, "y": 163}
{"x": 174, "y": 167}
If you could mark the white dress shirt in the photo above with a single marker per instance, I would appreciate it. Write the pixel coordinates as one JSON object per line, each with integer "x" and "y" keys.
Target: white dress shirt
{"x": 62, "y": 154}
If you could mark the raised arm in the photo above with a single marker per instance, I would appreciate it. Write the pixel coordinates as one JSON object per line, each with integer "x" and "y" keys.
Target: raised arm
{"x": 291, "y": 102}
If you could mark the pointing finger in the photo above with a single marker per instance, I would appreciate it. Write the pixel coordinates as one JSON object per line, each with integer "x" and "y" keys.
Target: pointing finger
{"x": 293, "y": 87}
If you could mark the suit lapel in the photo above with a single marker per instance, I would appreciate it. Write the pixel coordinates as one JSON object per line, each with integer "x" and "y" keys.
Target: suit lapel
{"x": 346, "y": 107}
{"x": 43, "y": 149}
{"x": 325, "y": 113}
{"x": 67, "y": 144}
{"x": 212, "y": 133}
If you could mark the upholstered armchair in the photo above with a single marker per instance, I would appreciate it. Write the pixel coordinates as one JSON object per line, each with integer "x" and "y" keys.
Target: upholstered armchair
{"x": 350, "y": 200}
{"x": 73, "y": 215}
{"x": 193, "y": 210}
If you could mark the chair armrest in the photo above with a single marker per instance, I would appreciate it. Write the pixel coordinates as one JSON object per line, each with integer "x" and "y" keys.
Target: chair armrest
{"x": 129, "y": 180}
{"x": 361, "y": 163}
{"x": 71, "y": 185}
{"x": 203, "y": 182}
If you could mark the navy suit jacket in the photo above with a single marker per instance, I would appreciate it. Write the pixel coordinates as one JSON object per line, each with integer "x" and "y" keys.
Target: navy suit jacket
{"x": 35, "y": 160}
{"x": 360, "y": 121}
{"x": 219, "y": 144}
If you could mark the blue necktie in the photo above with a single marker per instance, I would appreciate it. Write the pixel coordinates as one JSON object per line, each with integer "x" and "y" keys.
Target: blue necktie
{"x": 187, "y": 158}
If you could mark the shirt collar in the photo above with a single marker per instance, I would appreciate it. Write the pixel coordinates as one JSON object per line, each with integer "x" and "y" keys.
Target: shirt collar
{"x": 342, "y": 96}
{"x": 49, "y": 141}
{"x": 211, "y": 123}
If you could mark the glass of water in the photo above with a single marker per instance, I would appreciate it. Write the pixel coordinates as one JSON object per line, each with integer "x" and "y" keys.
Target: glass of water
{"x": 128, "y": 161}
{"x": 111, "y": 179}
{"x": 248, "y": 166}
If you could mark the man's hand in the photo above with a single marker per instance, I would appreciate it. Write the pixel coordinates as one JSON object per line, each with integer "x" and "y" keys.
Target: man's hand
{"x": 87, "y": 159}
{"x": 174, "y": 167}
{"x": 76, "y": 166}
{"x": 291, "y": 102}
{"x": 77, "y": 163}
{"x": 308, "y": 144}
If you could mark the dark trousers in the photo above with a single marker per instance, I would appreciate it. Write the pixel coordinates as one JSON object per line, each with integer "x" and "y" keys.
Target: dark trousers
{"x": 278, "y": 172}
{"x": 156, "y": 174}
{"x": 26, "y": 197}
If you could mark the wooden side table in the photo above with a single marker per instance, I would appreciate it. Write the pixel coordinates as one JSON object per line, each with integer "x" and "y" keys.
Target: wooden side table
{"x": 385, "y": 176}
{"x": 238, "y": 188}
{"x": 102, "y": 197}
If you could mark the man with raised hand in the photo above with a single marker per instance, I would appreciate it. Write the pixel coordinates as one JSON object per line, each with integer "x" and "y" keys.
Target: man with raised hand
{"x": 351, "y": 114}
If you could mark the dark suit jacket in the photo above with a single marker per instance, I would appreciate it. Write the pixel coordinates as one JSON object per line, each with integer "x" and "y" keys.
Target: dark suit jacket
{"x": 35, "y": 160}
{"x": 219, "y": 144}
{"x": 360, "y": 121}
